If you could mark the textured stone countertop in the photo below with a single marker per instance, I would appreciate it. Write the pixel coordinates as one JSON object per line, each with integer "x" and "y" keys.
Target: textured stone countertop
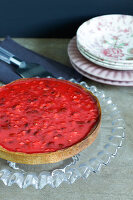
{"x": 115, "y": 181}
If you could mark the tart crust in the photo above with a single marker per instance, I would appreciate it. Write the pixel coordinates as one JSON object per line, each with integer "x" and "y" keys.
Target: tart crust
{"x": 53, "y": 157}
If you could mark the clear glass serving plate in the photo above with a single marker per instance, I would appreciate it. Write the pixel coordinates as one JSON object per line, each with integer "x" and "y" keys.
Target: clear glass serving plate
{"x": 91, "y": 160}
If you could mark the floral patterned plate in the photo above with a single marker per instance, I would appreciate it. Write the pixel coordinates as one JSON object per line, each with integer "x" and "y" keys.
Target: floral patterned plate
{"x": 90, "y": 68}
{"x": 108, "y": 37}
{"x": 113, "y": 65}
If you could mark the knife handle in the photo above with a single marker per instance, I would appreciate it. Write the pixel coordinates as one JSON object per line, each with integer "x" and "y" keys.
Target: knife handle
{"x": 9, "y": 58}
{"x": 5, "y": 55}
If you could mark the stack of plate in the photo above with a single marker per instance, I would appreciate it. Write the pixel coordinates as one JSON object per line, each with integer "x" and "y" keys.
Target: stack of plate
{"x": 103, "y": 49}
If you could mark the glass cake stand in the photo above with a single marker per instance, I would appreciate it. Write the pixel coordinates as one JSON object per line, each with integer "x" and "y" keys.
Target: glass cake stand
{"x": 91, "y": 160}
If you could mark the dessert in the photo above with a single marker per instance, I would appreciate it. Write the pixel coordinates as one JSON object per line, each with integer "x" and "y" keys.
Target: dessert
{"x": 45, "y": 120}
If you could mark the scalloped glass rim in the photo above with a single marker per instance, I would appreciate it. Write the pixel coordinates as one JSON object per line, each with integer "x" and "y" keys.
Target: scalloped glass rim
{"x": 76, "y": 168}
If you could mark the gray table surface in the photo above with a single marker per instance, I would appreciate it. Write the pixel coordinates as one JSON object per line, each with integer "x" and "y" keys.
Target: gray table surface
{"x": 115, "y": 181}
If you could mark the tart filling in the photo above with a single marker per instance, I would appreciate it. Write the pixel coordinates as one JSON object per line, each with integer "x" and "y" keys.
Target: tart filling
{"x": 40, "y": 115}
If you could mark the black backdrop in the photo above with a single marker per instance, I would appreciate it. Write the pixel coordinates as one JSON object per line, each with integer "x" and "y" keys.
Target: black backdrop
{"x": 54, "y": 18}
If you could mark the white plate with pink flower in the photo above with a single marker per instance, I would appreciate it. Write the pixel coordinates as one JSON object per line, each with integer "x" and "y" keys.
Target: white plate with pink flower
{"x": 108, "y": 38}
{"x": 106, "y": 64}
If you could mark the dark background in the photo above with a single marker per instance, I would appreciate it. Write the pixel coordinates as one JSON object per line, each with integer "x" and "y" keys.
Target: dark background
{"x": 54, "y": 18}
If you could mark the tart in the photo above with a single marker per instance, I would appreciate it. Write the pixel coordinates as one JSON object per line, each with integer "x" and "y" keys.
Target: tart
{"x": 46, "y": 120}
